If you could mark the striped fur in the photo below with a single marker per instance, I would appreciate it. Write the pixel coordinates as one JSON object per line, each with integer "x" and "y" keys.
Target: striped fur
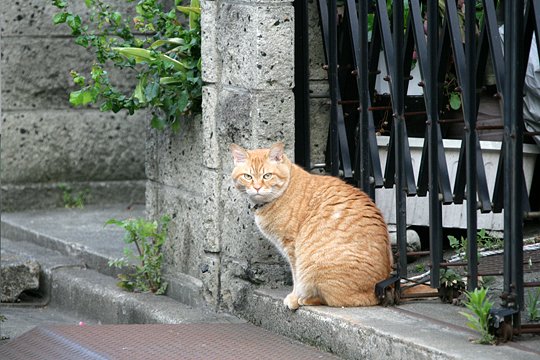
{"x": 332, "y": 234}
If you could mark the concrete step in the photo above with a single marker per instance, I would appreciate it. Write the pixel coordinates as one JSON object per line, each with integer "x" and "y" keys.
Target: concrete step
{"x": 416, "y": 330}
{"x": 81, "y": 234}
{"x": 74, "y": 246}
{"x": 72, "y": 292}
{"x": 67, "y": 284}
{"x": 73, "y": 249}
{"x": 78, "y": 233}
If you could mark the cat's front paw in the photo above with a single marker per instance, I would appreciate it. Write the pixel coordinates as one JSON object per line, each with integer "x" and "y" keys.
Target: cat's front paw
{"x": 291, "y": 301}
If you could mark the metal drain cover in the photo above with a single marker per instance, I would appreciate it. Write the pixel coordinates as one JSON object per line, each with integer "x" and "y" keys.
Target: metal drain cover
{"x": 156, "y": 341}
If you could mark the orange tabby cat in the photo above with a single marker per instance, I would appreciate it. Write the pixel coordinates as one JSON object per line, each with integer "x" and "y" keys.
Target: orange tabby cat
{"x": 332, "y": 234}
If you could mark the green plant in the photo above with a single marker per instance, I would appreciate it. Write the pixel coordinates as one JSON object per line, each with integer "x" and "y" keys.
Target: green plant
{"x": 533, "y": 298}
{"x": 449, "y": 91}
{"x": 451, "y": 285}
{"x": 160, "y": 50}
{"x": 458, "y": 245}
{"x": 488, "y": 242}
{"x": 483, "y": 240}
{"x": 420, "y": 267}
{"x": 148, "y": 238}
{"x": 486, "y": 281}
{"x": 74, "y": 199}
{"x": 450, "y": 278}
{"x": 479, "y": 317}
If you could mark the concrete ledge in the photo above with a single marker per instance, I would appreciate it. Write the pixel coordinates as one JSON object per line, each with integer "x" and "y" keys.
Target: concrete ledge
{"x": 417, "y": 330}
{"x": 32, "y": 196}
{"x": 86, "y": 293}
{"x": 80, "y": 235}
{"x": 95, "y": 295}
{"x": 373, "y": 332}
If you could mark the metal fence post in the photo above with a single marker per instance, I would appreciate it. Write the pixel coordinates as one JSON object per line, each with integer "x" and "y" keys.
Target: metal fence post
{"x": 333, "y": 80}
{"x": 469, "y": 92}
{"x": 399, "y": 119}
{"x": 513, "y": 154}
{"x": 435, "y": 210}
{"x": 302, "y": 150}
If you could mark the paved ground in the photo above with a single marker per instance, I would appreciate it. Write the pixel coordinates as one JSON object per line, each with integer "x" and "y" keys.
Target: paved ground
{"x": 70, "y": 239}
{"x": 20, "y": 319}
{"x": 172, "y": 341}
{"x": 73, "y": 314}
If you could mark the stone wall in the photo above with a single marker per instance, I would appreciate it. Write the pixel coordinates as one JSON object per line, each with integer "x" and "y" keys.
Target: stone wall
{"x": 45, "y": 141}
{"x": 215, "y": 254}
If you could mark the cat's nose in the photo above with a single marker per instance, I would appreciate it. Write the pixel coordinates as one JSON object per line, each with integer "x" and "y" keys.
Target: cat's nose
{"x": 257, "y": 187}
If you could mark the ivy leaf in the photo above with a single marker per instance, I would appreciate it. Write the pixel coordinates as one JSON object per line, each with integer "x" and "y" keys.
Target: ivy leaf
{"x": 116, "y": 17}
{"x": 151, "y": 90}
{"x": 114, "y": 222}
{"x": 82, "y": 97}
{"x": 60, "y": 18}
{"x": 59, "y": 4}
{"x": 158, "y": 123}
{"x": 78, "y": 79}
{"x": 82, "y": 41}
{"x": 175, "y": 125}
{"x": 455, "y": 101}
{"x": 74, "y": 21}
{"x": 183, "y": 101}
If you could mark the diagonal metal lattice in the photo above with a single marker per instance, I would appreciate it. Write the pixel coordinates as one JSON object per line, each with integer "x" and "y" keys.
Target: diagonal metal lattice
{"x": 453, "y": 44}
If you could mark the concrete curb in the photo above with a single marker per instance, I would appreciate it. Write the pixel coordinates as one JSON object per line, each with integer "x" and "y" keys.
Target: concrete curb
{"x": 95, "y": 253}
{"x": 372, "y": 332}
{"x": 410, "y": 331}
{"x": 68, "y": 285}
{"x": 94, "y": 295}
{"x": 92, "y": 259}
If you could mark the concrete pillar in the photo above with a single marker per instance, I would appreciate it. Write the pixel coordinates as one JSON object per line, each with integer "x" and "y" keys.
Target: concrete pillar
{"x": 216, "y": 253}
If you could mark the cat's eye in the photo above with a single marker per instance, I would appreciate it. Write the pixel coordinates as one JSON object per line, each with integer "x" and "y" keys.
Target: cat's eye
{"x": 248, "y": 177}
{"x": 267, "y": 176}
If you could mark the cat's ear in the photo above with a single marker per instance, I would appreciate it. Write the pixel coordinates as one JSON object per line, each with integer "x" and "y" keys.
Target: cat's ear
{"x": 276, "y": 152}
{"x": 239, "y": 154}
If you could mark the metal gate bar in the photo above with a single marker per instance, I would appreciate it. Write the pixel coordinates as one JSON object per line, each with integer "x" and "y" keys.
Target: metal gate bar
{"x": 471, "y": 141}
{"x": 337, "y": 136}
{"x": 302, "y": 143}
{"x": 434, "y": 141}
{"x": 513, "y": 156}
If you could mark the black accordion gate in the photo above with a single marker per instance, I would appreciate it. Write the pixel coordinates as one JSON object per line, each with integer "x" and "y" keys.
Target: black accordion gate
{"x": 442, "y": 38}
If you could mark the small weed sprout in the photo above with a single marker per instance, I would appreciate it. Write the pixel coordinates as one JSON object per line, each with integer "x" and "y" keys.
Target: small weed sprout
{"x": 148, "y": 238}
{"x": 450, "y": 278}
{"x": 478, "y": 320}
{"x": 488, "y": 242}
{"x": 486, "y": 281}
{"x": 452, "y": 285}
{"x": 533, "y": 298}
{"x": 484, "y": 241}
{"x": 73, "y": 199}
